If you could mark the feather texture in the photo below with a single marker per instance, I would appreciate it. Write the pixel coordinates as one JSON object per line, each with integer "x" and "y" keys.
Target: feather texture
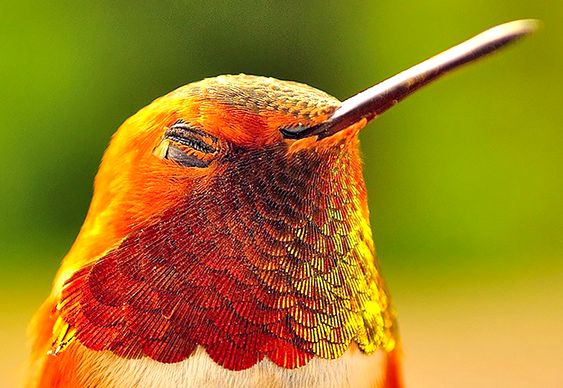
{"x": 257, "y": 265}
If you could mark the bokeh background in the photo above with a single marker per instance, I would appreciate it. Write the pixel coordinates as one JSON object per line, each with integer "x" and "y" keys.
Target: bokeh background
{"x": 465, "y": 178}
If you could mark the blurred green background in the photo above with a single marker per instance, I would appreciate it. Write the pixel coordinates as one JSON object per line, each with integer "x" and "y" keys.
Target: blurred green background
{"x": 465, "y": 178}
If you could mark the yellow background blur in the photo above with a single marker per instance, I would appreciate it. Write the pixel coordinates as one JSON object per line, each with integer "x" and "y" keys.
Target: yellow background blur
{"x": 465, "y": 178}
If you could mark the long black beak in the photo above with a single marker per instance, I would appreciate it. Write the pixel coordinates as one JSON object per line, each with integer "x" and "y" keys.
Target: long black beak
{"x": 374, "y": 101}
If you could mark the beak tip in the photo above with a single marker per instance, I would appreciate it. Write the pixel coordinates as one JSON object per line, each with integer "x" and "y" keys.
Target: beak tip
{"x": 519, "y": 28}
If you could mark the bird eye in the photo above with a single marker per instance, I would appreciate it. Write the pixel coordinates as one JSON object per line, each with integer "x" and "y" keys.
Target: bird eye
{"x": 188, "y": 146}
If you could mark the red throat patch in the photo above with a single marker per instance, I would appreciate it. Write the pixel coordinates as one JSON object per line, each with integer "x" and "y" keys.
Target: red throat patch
{"x": 273, "y": 259}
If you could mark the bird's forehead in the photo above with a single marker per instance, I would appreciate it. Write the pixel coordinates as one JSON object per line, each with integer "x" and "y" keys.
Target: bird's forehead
{"x": 249, "y": 110}
{"x": 264, "y": 96}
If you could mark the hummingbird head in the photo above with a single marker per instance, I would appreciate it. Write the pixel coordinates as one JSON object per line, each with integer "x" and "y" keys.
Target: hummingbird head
{"x": 232, "y": 214}
{"x": 224, "y": 130}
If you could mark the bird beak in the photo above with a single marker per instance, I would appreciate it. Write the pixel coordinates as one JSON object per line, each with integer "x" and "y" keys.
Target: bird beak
{"x": 377, "y": 99}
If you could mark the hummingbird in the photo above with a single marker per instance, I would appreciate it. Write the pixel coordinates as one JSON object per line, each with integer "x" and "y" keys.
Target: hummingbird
{"x": 228, "y": 243}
